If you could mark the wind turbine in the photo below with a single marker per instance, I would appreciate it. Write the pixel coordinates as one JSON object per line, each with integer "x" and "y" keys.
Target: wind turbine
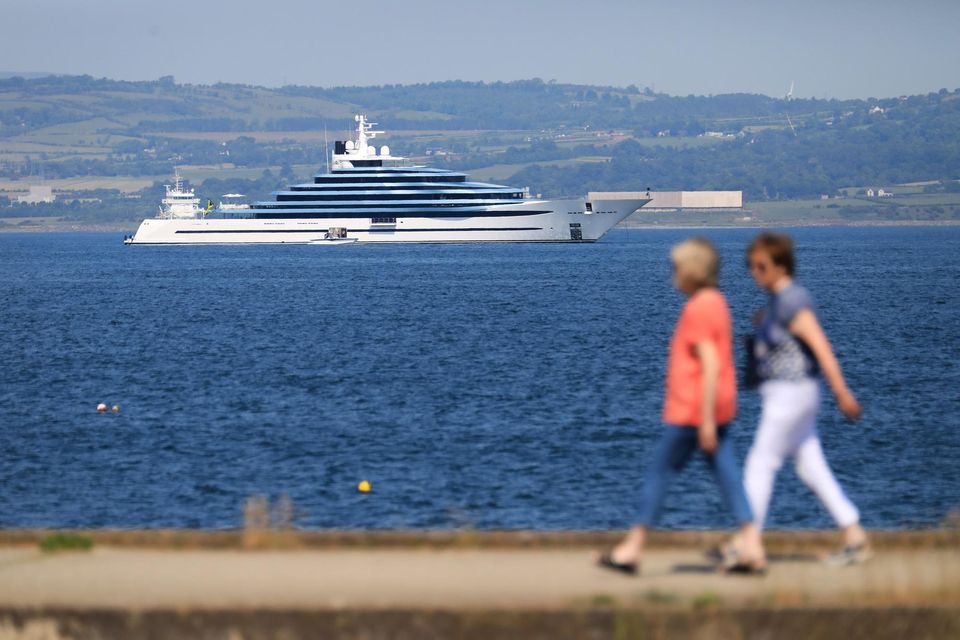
{"x": 788, "y": 98}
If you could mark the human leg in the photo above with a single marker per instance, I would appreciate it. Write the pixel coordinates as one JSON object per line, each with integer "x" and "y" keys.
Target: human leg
{"x": 673, "y": 451}
{"x": 813, "y": 470}
{"x": 723, "y": 462}
{"x": 772, "y": 443}
{"x": 747, "y": 542}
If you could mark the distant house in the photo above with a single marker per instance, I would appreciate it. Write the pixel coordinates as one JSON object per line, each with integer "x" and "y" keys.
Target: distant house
{"x": 870, "y": 193}
{"x": 717, "y": 134}
{"x": 876, "y": 109}
{"x": 824, "y": 196}
{"x": 38, "y": 194}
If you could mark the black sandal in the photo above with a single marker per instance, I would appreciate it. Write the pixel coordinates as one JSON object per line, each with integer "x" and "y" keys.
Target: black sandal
{"x": 606, "y": 561}
{"x": 745, "y": 569}
{"x": 733, "y": 564}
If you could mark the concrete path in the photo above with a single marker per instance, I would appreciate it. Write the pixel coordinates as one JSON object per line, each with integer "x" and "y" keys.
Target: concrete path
{"x": 472, "y": 578}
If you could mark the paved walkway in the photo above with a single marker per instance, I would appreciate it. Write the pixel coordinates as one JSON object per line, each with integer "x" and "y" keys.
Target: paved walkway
{"x": 470, "y": 578}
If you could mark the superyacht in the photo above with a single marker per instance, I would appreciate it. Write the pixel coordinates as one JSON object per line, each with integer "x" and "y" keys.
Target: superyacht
{"x": 369, "y": 195}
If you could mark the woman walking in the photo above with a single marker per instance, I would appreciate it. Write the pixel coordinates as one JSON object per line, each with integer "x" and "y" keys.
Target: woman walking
{"x": 699, "y": 406}
{"x": 790, "y": 351}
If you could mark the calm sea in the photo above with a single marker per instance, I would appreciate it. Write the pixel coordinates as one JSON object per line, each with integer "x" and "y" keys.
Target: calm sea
{"x": 489, "y": 386}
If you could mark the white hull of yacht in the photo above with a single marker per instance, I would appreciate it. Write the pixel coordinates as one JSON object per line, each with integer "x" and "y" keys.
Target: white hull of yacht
{"x": 560, "y": 221}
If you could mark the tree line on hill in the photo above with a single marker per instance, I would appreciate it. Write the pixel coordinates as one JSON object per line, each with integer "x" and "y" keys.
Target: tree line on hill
{"x": 771, "y": 148}
{"x": 774, "y": 164}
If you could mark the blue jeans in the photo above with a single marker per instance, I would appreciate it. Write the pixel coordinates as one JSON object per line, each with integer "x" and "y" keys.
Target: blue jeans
{"x": 676, "y": 446}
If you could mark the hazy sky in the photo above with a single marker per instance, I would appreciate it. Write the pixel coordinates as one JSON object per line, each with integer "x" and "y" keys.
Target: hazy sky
{"x": 837, "y": 48}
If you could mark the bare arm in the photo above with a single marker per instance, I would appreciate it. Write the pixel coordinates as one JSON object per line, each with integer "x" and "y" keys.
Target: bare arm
{"x": 710, "y": 372}
{"x": 806, "y": 327}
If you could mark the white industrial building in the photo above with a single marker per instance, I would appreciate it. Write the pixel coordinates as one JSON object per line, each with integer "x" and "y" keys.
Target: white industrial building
{"x": 37, "y": 194}
{"x": 673, "y": 200}
{"x": 695, "y": 200}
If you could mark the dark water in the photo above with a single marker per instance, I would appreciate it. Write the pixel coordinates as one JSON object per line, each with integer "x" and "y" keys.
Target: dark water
{"x": 476, "y": 385}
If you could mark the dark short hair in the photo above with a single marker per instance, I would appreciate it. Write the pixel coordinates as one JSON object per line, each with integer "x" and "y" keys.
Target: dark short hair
{"x": 778, "y": 246}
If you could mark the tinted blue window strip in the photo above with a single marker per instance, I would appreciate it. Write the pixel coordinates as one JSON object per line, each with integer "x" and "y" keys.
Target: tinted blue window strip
{"x": 366, "y": 205}
{"x": 306, "y": 215}
{"x": 374, "y": 230}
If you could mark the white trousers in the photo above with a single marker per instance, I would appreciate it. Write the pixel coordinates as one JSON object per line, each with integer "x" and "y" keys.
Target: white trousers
{"x": 788, "y": 428}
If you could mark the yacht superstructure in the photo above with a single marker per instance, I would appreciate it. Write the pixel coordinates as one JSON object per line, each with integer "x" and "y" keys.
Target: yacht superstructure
{"x": 372, "y": 196}
{"x": 232, "y": 202}
{"x": 179, "y": 203}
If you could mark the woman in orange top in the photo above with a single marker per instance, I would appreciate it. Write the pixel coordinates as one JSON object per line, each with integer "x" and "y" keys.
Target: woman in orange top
{"x": 701, "y": 401}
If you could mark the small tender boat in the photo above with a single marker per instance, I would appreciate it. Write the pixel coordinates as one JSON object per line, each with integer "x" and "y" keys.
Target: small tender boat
{"x": 334, "y": 235}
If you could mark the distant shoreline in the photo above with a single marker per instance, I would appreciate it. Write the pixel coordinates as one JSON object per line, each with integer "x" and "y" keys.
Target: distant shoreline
{"x": 798, "y": 223}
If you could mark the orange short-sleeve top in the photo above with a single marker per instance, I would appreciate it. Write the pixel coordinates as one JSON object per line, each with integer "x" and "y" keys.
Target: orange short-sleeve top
{"x": 705, "y": 316}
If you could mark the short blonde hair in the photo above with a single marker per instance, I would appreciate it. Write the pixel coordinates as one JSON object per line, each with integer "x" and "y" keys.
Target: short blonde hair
{"x": 696, "y": 262}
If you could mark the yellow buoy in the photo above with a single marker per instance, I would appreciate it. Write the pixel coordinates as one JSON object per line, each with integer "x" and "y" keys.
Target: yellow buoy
{"x": 364, "y": 486}
{"x": 102, "y": 408}
{"x": 116, "y": 408}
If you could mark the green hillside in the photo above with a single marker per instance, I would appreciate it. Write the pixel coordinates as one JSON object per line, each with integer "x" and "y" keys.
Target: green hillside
{"x": 101, "y": 143}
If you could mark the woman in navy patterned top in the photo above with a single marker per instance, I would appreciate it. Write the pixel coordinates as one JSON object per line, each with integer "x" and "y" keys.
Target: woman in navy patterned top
{"x": 792, "y": 352}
